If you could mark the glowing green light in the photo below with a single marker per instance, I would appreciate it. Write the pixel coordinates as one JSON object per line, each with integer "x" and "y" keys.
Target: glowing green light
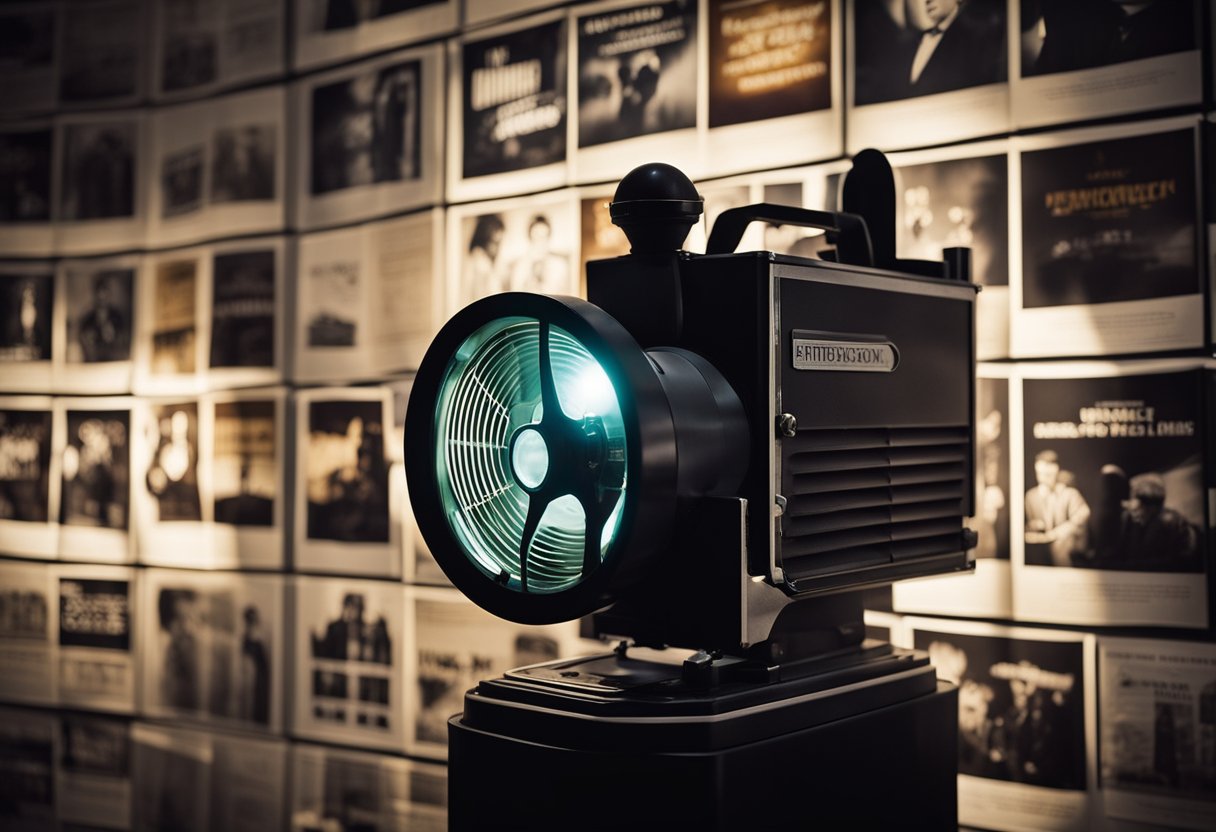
{"x": 530, "y": 458}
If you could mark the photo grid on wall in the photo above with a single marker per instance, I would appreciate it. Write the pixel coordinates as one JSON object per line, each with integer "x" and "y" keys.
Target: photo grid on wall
{"x": 230, "y": 229}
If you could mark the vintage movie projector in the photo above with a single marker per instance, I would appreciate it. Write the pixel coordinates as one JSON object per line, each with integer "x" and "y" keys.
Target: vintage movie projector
{"x": 716, "y": 454}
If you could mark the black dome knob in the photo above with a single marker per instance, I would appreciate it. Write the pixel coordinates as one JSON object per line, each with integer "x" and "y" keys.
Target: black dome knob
{"x": 655, "y": 205}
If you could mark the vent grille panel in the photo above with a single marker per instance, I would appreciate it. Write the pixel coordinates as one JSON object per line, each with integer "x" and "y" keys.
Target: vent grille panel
{"x": 871, "y": 497}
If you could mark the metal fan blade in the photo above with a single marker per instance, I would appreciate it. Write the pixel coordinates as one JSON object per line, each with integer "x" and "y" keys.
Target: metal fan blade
{"x": 536, "y": 509}
{"x": 548, "y": 390}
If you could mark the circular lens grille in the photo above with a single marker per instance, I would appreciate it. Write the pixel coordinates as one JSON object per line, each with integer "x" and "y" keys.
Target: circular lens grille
{"x": 521, "y": 378}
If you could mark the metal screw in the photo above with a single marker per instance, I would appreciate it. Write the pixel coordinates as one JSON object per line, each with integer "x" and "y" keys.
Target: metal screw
{"x": 787, "y": 425}
{"x": 781, "y": 504}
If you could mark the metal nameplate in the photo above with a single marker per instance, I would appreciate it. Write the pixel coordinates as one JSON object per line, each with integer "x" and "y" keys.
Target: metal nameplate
{"x": 850, "y": 356}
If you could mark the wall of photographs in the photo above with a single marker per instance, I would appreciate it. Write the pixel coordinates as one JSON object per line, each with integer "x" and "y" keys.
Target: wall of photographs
{"x": 229, "y": 229}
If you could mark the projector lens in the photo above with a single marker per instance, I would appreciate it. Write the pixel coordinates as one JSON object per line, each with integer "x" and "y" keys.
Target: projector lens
{"x": 530, "y": 454}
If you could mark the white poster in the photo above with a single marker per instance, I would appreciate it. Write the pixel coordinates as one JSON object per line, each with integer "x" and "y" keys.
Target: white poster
{"x": 97, "y": 612}
{"x": 349, "y": 685}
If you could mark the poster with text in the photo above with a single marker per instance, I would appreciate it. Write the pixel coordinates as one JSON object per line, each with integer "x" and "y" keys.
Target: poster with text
{"x": 348, "y": 662}
{"x": 1086, "y": 59}
{"x": 1157, "y": 730}
{"x": 510, "y": 119}
{"x": 1025, "y": 721}
{"x": 774, "y": 80}
{"x": 1109, "y": 243}
{"x": 937, "y": 69}
{"x": 637, "y": 86}
{"x": 247, "y": 312}
{"x": 1113, "y": 522}
{"x": 96, "y": 645}
{"x": 93, "y": 772}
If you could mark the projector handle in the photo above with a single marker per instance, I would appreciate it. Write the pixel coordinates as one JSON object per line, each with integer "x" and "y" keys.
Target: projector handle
{"x": 851, "y": 238}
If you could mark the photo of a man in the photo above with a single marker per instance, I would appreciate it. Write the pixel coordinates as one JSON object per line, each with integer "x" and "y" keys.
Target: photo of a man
{"x": 99, "y": 316}
{"x": 1056, "y": 514}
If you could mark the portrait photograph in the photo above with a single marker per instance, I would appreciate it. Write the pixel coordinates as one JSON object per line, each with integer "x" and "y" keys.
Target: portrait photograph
{"x": 25, "y": 316}
{"x": 521, "y": 247}
{"x": 243, "y": 163}
{"x": 347, "y": 472}
{"x": 98, "y": 178}
{"x": 100, "y": 314}
{"x": 181, "y": 181}
{"x": 25, "y": 465}
{"x": 172, "y": 475}
{"x": 95, "y": 490}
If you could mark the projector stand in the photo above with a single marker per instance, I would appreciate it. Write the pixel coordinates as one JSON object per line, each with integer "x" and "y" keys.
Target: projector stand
{"x": 859, "y": 737}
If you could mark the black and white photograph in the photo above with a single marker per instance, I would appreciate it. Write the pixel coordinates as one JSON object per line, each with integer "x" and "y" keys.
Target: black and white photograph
{"x": 243, "y": 163}
{"x": 371, "y": 138}
{"x": 350, "y": 791}
{"x": 96, "y": 466}
{"x": 331, "y": 31}
{"x": 347, "y": 472}
{"x": 96, "y": 656}
{"x": 26, "y": 301}
{"x": 636, "y": 77}
{"x": 367, "y": 130}
{"x": 219, "y": 167}
{"x": 25, "y": 175}
{"x": 25, "y": 465}
{"x": 27, "y": 770}
{"x": 27, "y": 633}
{"x": 100, "y": 313}
{"x": 212, "y": 650}
{"x": 28, "y": 36}
{"x": 202, "y": 46}
{"x": 511, "y": 123}
{"x": 349, "y": 661}
{"x": 1157, "y": 732}
{"x": 101, "y": 51}
{"x": 946, "y": 202}
{"x": 93, "y": 772}
{"x": 523, "y": 245}
{"x": 1089, "y": 58}
{"x": 1109, "y": 245}
{"x": 937, "y": 68}
{"x": 174, "y": 337}
{"x": 1023, "y": 699}
{"x": 775, "y": 79}
{"x": 337, "y": 291}
{"x": 181, "y": 181}
{"x": 98, "y": 177}
{"x": 172, "y": 476}
{"x": 1113, "y": 469}
{"x": 243, "y": 309}
{"x": 455, "y": 644}
{"x": 244, "y": 470}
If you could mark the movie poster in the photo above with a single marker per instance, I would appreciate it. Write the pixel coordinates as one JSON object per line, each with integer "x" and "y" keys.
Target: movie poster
{"x": 510, "y": 125}
{"x": 27, "y": 633}
{"x": 343, "y": 521}
{"x": 1025, "y": 711}
{"x": 96, "y": 647}
{"x": 372, "y": 136}
{"x": 1109, "y": 243}
{"x": 224, "y": 179}
{"x": 455, "y": 645}
{"x": 512, "y": 245}
{"x": 99, "y": 181}
{"x": 1113, "y": 526}
{"x": 331, "y": 31}
{"x": 347, "y": 791}
{"x": 27, "y": 770}
{"x": 95, "y": 479}
{"x": 1157, "y": 731}
{"x": 26, "y": 315}
{"x": 27, "y": 524}
{"x": 28, "y": 38}
{"x": 937, "y": 69}
{"x": 636, "y": 79}
{"x": 93, "y": 772}
{"x": 25, "y": 187}
{"x": 98, "y": 300}
{"x": 1091, "y": 58}
{"x": 172, "y": 477}
{"x": 246, "y": 302}
{"x": 212, "y": 649}
{"x": 200, "y": 47}
{"x": 171, "y": 341}
{"x": 348, "y": 660}
{"x": 100, "y": 58}
{"x": 988, "y": 593}
{"x": 945, "y": 202}
{"x": 244, "y": 468}
{"x": 774, "y": 79}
